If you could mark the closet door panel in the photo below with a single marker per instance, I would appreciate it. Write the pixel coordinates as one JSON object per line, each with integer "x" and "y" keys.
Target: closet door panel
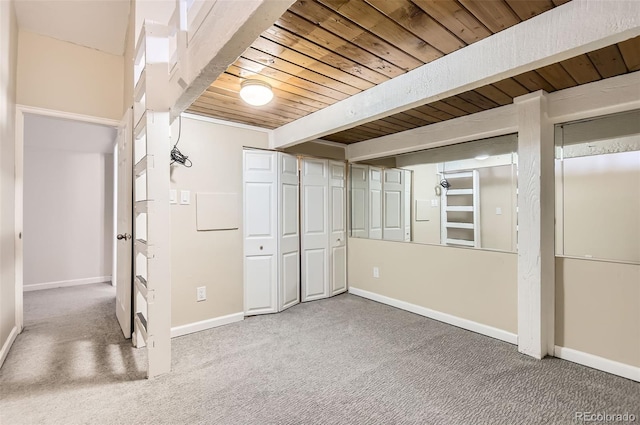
{"x": 359, "y": 201}
{"x": 375, "y": 203}
{"x": 289, "y": 230}
{"x": 315, "y": 229}
{"x": 338, "y": 227}
{"x": 260, "y": 232}
{"x": 393, "y": 205}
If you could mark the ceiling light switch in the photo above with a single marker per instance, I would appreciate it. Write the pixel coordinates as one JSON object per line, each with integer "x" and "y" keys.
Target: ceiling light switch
{"x": 173, "y": 196}
{"x": 185, "y": 197}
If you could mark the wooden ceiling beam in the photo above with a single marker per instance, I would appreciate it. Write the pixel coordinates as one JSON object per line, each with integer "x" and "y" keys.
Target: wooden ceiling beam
{"x": 332, "y": 22}
{"x": 413, "y": 19}
{"x": 372, "y": 20}
{"x": 316, "y": 34}
{"x": 456, "y": 18}
{"x": 630, "y": 50}
{"x": 297, "y": 70}
{"x": 286, "y": 38}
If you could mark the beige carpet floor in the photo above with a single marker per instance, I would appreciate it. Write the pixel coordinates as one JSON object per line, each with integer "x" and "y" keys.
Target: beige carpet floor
{"x": 345, "y": 360}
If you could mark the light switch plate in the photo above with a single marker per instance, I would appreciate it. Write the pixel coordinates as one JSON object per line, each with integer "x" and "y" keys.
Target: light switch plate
{"x": 173, "y": 196}
{"x": 376, "y": 272}
{"x": 498, "y": 211}
{"x": 185, "y": 197}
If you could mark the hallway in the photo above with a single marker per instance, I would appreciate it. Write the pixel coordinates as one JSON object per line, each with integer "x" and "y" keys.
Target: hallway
{"x": 71, "y": 342}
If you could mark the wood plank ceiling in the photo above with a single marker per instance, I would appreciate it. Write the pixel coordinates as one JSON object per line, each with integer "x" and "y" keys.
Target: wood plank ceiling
{"x": 323, "y": 51}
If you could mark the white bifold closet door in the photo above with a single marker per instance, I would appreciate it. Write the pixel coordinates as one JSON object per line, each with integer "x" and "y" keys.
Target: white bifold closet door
{"x": 359, "y": 201}
{"x": 288, "y": 231}
{"x": 375, "y": 203}
{"x": 323, "y": 243}
{"x": 338, "y": 227}
{"x": 407, "y": 204}
{"x": 393, "y": 204}
{"x": 271, "y": 235}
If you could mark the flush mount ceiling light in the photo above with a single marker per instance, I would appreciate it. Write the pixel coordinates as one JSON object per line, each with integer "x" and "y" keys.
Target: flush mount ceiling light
{"x": 256, "y": 92}
{"x": 482, "y": 157}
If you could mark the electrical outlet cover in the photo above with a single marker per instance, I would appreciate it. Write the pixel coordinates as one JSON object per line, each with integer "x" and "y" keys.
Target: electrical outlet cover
{"x": 201, "y": 293}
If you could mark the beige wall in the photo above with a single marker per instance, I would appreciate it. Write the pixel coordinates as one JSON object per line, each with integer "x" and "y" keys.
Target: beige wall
{"x": 598, "y": 308}
{"x": 472, "y": 284}
{"x": 8, "y": 63}
{"x": 211, "y": 258}
{"x": 66, "y": 77}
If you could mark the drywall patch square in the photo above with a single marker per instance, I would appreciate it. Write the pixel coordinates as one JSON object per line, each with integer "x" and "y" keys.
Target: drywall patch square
{"x": 217, "y": 211}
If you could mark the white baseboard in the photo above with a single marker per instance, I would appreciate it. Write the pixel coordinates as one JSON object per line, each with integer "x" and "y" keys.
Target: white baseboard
{"x": 7, "y": 344}
{"x": 206, "y": 324}
{"x": 596, "y": 362}
{"x": 437, "y": 315}
{"x": 65, "y": 283}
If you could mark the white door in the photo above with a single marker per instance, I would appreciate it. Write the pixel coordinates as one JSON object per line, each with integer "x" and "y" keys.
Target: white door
{"x": 407, "y": 204}
{"x": 315, "y": 229}
{"x": 393, "y": 204}
{"x": 375, "y": 203}
{"x": 359, "y": 201}
{"x": 337, "y": 227}
{"x": 124, "y": 243}
{"x": 260, "y": 232}
{"x": 289, "y": 232}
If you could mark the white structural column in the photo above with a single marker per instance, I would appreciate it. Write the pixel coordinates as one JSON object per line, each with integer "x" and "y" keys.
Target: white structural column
{"x": 536, "y": 198}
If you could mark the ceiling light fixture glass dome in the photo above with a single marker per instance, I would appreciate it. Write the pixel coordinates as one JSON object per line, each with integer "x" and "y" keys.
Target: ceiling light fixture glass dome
{"x": 256, "y": 92}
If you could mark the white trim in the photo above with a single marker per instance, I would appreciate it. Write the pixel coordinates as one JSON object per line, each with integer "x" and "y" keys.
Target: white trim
{"x": 437, "y": 315}
{"x": 223, "y": 122}
{"x": 67, "y": 115}
{"x": 66, "y": 283}
{"x": 596, "y": 362}
{"x": 577, "y": 27}
{"x": 7, "y": 344}
{"x": 177, "y": 331}
{"x": 18, "y": 217}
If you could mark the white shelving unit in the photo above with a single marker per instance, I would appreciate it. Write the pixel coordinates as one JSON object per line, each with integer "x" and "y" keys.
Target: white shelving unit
{"x": 152, "y": 236}
{"x": 460, "y": 209}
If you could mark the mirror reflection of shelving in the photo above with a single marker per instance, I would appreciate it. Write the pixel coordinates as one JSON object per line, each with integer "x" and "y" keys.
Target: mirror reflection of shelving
{"x": 490, "y": 220}
{"x": 460, "y": 209}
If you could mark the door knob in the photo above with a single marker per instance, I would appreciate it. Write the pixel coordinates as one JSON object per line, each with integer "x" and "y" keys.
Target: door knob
{"x": 124, "y": 236}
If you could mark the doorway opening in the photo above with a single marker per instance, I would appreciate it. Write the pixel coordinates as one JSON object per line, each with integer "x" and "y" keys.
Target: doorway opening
{"x": 66, "y": 202}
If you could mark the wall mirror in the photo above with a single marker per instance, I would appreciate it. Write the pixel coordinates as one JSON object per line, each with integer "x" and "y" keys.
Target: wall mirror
{"x": 598, "y": 188}
{"x": 462, "y": 195}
